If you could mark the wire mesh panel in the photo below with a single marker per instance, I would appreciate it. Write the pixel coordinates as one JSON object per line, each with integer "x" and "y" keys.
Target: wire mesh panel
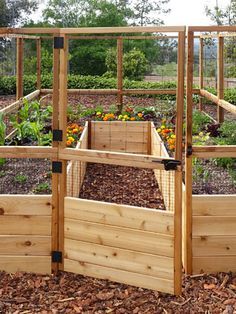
{"x": 25, "y": 176}
{"x": 214, "y": 176}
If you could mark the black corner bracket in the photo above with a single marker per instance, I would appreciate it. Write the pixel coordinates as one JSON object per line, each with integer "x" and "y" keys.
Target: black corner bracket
{"x": 57, "y": 135}
{"x": 56, "y": 257}
{"x": 189, "y": 150}
{"x": 56, "y": 167}
{"x": 58, "y": 42}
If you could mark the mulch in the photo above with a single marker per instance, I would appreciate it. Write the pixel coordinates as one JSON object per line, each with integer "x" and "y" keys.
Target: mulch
{"x": 121, "y": 185}
{"x": 23, "y": 293}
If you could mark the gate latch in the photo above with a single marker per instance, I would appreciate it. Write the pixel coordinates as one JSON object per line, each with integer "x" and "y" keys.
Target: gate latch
{"x": 169, "y": 164}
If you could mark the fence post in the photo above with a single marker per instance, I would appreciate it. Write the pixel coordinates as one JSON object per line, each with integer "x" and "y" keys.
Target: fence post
{"x": 120, "y": 73}
{"x": 220, "y": 78}
{"x": 19, "y": 67}
{"x": 200, "y": 71}
{"x": 62, "y": 144}
{"x": 38, "y": 48}
{"x": 188, "y": 159}
{"x": 55, "y": 176}
{"x": 178, "y": 174}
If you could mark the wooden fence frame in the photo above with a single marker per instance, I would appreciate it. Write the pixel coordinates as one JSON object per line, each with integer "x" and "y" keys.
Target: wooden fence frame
{"x": 202, "y": 151}
{"x": 59, "y": 153}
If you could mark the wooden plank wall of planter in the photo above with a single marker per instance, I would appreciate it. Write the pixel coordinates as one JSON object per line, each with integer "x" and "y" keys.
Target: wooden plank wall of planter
{"x": 76, "y": 169}
{"x": 127, "y": 244}
{"x": 25, "y": 233}
{"x": 214, "y": 233}
{"x": 120, "y": 136}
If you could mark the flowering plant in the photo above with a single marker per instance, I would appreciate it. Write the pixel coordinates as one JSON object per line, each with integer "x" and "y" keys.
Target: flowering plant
{"x": 73, "y": 133}
{"x": 168, "y": 135}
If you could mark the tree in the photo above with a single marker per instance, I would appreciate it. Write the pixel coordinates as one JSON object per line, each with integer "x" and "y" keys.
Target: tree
{"x": 222, "y": 16}
{"x": 14, "y": 12}
{"x": 135, "y": 64}
{"x": 148, "y": 12}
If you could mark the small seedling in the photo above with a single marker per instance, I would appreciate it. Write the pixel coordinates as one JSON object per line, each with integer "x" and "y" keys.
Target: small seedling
{"x": 20, "y": 178}
{"x": 42, "y": 188}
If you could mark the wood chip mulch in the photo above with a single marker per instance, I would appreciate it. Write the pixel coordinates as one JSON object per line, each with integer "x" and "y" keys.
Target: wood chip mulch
{"x": 121, "y": 185}
{"x": 23, "y": 293}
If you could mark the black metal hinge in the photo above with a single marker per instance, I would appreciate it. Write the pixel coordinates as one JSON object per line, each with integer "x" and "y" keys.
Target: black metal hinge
{"x": 58, "y": 42}
{"x": 56, "y": 167}
{"x": 57, "y": 135}
{"x": 189, "y": 151}
{"x": 56, "y": 257}
{"x": 169, "y": 164}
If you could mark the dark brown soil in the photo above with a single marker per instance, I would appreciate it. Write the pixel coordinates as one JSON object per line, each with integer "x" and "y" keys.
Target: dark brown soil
{"x": 68, "y": 293}
{"x": 121, "y": 185}
{"x": 25, "y": 176}
{"x": 6, "y": 100}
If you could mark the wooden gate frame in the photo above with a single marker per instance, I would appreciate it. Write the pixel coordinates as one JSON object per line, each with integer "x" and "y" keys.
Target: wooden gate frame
{"x": 60, "y": 154}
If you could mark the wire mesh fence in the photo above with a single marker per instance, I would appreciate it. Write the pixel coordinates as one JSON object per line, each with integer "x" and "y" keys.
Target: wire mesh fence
{"x": 214, "y": 176}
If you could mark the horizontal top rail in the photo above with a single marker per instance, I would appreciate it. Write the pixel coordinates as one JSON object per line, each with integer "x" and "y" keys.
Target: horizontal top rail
{"x": 214, "y": 151}
{"x": 94, "y": 30}
{"x": 213, "y": 28}
{"x": 121, "y": 159}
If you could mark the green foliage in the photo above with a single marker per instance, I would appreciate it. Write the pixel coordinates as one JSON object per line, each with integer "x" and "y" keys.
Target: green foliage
{"x": 29, "y": 123}
{"x": 135, "y": 64}
{"x": 227, "y": 133}
{"x": 2, "y": 136}
{"x": 2, "y": 130}
{"x": 14, "y": 12}
{"x": 42, "y": 188}
{"x": 200, "y": 121}
{"x": 20, "y": 178}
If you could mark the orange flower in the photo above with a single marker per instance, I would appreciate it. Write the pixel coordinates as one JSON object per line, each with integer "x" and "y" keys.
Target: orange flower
{"x": 74, "y": 131}
{"x": 132, "y": 119}
{"x": 140, "y": 115}
{"x": 105, "y": 118}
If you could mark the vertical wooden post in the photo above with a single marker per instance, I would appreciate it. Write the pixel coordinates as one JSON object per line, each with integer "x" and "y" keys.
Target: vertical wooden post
{"x": 220, "y": 77}
{"x": 19, "y": 67}
{"x": 178, "y": 174}
{"x": 38, "y": 48}
{"x": 120, "y": 73}
{"x": 62, "y": 126}
{"x": 200, "y": 70}
{"x": 55, "y": 176}
{"x": 188, "y": 159}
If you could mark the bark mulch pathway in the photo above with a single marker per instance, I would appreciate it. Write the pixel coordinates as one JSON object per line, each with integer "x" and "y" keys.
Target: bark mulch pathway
{"x": 69, "y": 293}
{"x": 121, "y": 185}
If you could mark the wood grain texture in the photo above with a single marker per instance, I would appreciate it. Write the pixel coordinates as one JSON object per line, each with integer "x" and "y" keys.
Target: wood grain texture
{"x": 141, "y": 241}
{"x": 129, "y": 260}
{"x": 144, "y": 219}
{"x": 213, "y": 264}
{"x": 33, "y": 205}
{"x": 122, "y": 276}
{"x": 34, "y": 264}
{"x": 25, "y": 245}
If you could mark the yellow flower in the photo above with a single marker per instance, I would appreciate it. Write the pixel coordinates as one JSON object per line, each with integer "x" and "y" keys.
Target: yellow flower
{"x": 163, "y": 127}
{"x": 159, "y": 130}
{"x": 70, "y": 138}
{"x": 98, "y": 113}
{"x": 173, "y": 136}
{"x": 120, "y": 117}
{"x": 126, "y": 117}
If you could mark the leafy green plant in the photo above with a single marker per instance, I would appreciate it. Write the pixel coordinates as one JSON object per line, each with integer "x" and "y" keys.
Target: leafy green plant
{"x": 2, "y": 136}
{"x": 200, "y": 121}
{"x": 20, "y": 178}
{"x": 42, "y": 188}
